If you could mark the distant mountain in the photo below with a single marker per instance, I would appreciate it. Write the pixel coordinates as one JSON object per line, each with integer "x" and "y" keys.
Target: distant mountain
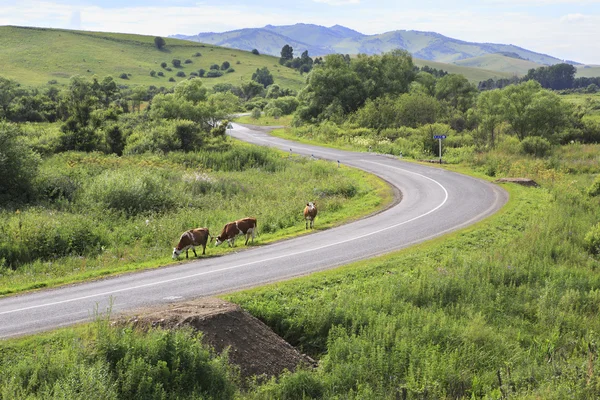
{"x": 320, "y": 40}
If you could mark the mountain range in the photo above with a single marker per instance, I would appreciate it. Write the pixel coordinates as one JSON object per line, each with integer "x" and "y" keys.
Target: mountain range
{"x": 321, "y": 40}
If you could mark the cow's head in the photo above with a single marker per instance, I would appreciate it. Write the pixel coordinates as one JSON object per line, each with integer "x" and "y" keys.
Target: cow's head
{"x": 311, "y": 205}
{"x": 176, "y": 253}
{"x": 219, "y": 241}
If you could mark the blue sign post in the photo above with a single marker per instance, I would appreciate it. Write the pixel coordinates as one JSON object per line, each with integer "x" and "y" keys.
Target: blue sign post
{"x": 439, "y": 138}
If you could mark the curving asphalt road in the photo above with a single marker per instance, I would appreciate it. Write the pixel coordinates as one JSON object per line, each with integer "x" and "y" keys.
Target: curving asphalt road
{"x": 434, "y": 202}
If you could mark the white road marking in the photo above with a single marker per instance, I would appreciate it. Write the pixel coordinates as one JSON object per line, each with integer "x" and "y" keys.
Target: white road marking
{"x": 312, "y": 249}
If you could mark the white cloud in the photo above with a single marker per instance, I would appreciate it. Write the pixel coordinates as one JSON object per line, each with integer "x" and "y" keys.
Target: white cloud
{"x": 573, "y": 18}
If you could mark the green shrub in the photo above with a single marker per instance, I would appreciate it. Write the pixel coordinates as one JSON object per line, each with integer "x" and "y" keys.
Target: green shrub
{"x": 180, "y": 74}
{"x": 123, "y": 76}
{"x": 255, "y": 114}
{"x": 171, "y": 79}
{"x": 592, "y": 240}
{"x": 176, "y": 63}
{"x": 130, "y": 191}
{"x": 213, "y": 74}
{"x": 163, "y": 64}
{"x": 535, "y": 146}
{"x": 39, "y": 234}
{"x": 188, "y": 61}
{"x": 18, "y": 166}
{"x": 153, "y": 73}
{"x": 594, "y": 189}
{"x": 160, "y": 73}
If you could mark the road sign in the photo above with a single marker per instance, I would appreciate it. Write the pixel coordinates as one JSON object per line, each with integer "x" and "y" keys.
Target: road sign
{"x": 439, "y": 136}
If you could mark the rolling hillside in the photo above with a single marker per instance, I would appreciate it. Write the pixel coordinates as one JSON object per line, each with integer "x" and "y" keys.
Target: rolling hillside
{"x": 320, "y": 40}
{"x": 500, "y": 63}
{"x": 35, "y": 56}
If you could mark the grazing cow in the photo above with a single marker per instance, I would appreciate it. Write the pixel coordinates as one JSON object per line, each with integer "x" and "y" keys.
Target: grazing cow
{"x": 310, "y": 212}
{"x": 246, "y": 226}
{"x": 191, "y": 239}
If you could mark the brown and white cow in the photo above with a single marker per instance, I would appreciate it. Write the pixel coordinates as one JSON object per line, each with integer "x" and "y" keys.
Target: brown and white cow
{"x": 191, "y": 239}
{"x": 245, "y": 226}
{"x": 310, "y": 212}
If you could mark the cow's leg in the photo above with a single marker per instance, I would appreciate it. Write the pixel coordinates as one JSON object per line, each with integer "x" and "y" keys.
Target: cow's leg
{"x": 203, "y": 249}
{"x": 194, "y": 250}
{"x": 231, "y": 241}
{"x": 312, "y": 223}
{"x": 186, "y": 253}
{"x": 247, "y": 237}
{"x": 306, "y": 227}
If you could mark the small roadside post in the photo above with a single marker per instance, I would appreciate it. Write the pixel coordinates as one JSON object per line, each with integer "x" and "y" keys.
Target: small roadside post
{"x": 439, "y": 138}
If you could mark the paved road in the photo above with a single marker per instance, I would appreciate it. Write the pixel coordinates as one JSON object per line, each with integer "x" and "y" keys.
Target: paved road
{"x": 434, "y": 202}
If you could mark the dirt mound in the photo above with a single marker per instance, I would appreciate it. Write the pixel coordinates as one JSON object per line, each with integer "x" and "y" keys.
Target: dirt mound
{"x": 254, "y": 347}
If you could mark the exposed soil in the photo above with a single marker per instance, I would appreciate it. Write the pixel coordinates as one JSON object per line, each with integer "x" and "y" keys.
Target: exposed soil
{"x": 253, "y": 346}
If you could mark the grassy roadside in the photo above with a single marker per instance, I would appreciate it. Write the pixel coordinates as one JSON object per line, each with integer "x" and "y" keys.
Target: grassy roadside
{"x": 144, "y": 242}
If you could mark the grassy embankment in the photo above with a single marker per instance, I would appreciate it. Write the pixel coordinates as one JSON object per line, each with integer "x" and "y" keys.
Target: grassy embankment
{"x": 34, "y": 56}
{"x": 504, "y": 309}
{"x": 104, "y": 215}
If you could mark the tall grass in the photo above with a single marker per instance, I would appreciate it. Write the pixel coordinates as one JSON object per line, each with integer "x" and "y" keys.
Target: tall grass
{"x": 506, "y": 309}
{"x": 103, "y": 362}
{"x": 100, "y": 214}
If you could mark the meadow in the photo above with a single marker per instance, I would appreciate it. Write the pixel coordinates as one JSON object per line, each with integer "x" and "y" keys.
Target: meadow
{"x": 37, "y": 56}
{"x": 101, "y": 214}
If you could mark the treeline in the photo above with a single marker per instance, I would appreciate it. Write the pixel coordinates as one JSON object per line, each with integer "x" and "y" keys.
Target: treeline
{"x": 555, "y": 77}
{"x": 385, "y": 102}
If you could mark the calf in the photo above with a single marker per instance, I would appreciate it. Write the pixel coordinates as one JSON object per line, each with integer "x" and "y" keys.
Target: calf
{"x": 191, "y": 239}
{"x": 246, "y": 226}
{"x": 310, "y": 212}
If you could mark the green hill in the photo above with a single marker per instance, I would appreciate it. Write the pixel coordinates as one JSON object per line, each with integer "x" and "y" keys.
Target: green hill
{"x": 34, "y": 56}
{"x": 500, "y": 63}
{"x": 473, "y": 74}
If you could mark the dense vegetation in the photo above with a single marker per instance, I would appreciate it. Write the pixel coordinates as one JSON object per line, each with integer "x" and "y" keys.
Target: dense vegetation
{"x": 505, "y": 309}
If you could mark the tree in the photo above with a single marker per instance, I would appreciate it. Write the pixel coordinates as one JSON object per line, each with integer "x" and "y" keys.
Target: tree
{"x": 159, "y": 42}
{"x": 176, "y": 63}
{"x": 489, "y": 112}
{"x": 287, "y": 54}
{"x": 251, "y": 89}
{"x": 255, "y": 52}
{"x": 456, "y": 90}
{"x": 225, "y": 65}
{"x": 263, "y": 76}
{"x": 18, "y": 166}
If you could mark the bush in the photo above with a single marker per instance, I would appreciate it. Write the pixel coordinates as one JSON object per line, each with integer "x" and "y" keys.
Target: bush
{"x": 274, "y": 112}
{"x": 592, "y": 240}
{"x": 535, "y": 146}
{"x": 160, "y": 73}
{"x": 171, "y": 79}
{"x": 255, "y": 52}
{"x": 123, "y": 76}
{"x": 197, "y": 54}
{"x": 188, "y": 61}
{"x": 213, "y": 74}
{"x": 256, "y": 113}
{"x": 153, "y": 73}
{"x": 169, "y": 69}
{"x": 225, "y": 66}
{"x": 201, "y": 72}
{"x": 19, "y": 166}
{"x": 214, "y": 66}
{"x": 163, "y": 64}
{"x": 180, "y": 74}
{"x": 129, "y": 191}
{"x": 230, "y": 70}
{"x": 594, "y": 189}
{"x": 176, "y": 63}
{"x": 52, "y": 82}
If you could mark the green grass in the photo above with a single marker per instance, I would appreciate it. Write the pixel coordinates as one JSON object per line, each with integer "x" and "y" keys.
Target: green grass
{"x": 505, "y": 308}
{"x": 125, "y": 214}
{"x": 588, "y": 71}
{"x": 34, "y": 56}
{"x": 473, "y": 74}
{"x": 500, "y": 63}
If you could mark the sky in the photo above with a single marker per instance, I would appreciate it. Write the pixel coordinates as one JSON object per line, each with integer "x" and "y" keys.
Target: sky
{"x": 566, "y": 29}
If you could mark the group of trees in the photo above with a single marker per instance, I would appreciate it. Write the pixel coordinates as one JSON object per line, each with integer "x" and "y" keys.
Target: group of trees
{"x": 387, "y": 93}
{"x": 556, "y": 77}
{"x": 304, "y": 63}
